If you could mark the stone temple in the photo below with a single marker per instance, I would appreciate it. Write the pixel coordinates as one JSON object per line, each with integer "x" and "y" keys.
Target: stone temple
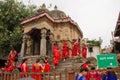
{"x": 45, "y": 28}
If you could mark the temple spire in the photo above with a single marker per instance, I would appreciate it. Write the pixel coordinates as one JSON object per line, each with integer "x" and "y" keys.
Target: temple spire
{"x": 55, "y": 8}
{"x": 43, "y": 6}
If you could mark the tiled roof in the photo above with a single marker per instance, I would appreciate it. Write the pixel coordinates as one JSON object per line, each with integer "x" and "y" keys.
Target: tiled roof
{"x": 67, "y": 19}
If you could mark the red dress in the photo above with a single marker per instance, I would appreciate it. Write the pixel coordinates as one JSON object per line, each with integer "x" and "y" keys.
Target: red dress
{"x": 24, "y": 68}
{"x": 47, "y": 67}
{"x": 56, "y": 55}
{"x": 94, "y": 76}
{"x": 65, "y": 51}
{"x": 9, "y": 69}
{"x": 75, "y": 49}
{"x": 84, "y": 51}
{"x": 36, "y": 68}
{"x": 54, "y": 48}
{"x": 12, "y": 56}
{"x": 55, "y": 58}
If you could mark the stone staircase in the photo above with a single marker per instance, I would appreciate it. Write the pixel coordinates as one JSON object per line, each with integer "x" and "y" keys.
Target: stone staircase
{"x": 69, "y": 64}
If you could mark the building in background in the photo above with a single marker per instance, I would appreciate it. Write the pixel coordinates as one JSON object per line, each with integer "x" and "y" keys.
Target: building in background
{"x": 45, "y": 28}
{"x": 93, "y": 47}
{"x": 116, "y": 43}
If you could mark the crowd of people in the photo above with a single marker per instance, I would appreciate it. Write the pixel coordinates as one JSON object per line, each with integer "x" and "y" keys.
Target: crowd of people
{"x": 66, "y": 52}
{"x": 88, "y": 72}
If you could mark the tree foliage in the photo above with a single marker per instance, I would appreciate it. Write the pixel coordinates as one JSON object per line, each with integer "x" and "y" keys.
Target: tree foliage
{"x": 11, "y": 14}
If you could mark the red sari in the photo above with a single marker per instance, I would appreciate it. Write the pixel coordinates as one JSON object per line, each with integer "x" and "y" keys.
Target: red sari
{"x": 75, "y": 49}
{"x": 9, "y": 69}
{"x": 56, "y": 57}
{"x": 47, "y": 67}
{"x": 37, "y": 68}
{"x": 24, "y": 68}
{"x": 65, "y": 51}
{"x": 84, "y": 51}
{"x": 12, "y": 56}
{"x": 94, "y": 76}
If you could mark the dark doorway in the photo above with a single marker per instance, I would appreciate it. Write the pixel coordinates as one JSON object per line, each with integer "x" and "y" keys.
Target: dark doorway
{"x": 36, "y": 36}
{"x": 48, "y": 44}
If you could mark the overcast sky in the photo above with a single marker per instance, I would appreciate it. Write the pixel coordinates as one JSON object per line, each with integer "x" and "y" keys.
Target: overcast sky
{"x": 96, "y": 18}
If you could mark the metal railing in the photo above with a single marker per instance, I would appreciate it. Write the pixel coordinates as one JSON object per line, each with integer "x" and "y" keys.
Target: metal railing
{"x": 62, "y": 75}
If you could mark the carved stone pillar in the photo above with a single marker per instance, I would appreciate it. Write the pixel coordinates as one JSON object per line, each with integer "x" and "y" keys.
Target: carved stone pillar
{"x": 50, "y": 45}
{"x": 43, "y": 42}
{"x": 28, "y": 52}
{"x": 22, "y": 51}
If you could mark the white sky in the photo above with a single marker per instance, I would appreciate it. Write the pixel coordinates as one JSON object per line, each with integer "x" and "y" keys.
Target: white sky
{"x": 96, "y": 18}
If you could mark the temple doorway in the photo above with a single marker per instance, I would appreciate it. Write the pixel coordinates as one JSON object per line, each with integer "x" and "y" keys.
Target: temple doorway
{"x": 36, "y": 37}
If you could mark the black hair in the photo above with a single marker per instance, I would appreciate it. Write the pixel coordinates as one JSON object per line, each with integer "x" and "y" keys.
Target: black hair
{"x": 88, "y": 62}
{"x": 25, "y": 59}
{"x": 38, "y": 60}
{"x": 92, "y": 68}
{"x": 84, "y": 69}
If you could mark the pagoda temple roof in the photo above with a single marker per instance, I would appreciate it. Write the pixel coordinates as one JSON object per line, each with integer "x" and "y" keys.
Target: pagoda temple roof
{"x": 56, "y": 16}
{"x": 117, "y": 28}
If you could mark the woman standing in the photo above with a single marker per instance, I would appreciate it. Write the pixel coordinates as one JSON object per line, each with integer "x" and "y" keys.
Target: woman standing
{"x": 24, "y": 67}
{"x": 37, "y": 67}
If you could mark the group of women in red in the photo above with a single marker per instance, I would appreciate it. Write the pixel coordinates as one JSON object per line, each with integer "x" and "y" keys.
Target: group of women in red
{"x": 65, "y": 52}
{"x": 36, "y": 67}
{"x": 10, "y": 64}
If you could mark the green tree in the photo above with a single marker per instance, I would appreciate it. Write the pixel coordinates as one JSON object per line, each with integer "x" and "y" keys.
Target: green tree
{"x": 12, "y": 13}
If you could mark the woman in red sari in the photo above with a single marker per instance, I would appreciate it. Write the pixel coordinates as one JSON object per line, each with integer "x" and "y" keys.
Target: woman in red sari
{"x": 65, "y": 51}
{"x": 47, "y": 65}
{"x": 84, "y": 51}
{"x": 37, "y": 67}
{"x": 56, "y": 57}
{"x": 12, "y": 56}
{"x": 24, "y": 67}
{"x": 56, "y": 54}
{"x": 75, "y": 49}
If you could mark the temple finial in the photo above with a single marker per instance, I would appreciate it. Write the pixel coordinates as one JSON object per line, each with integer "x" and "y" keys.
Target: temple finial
{"x": 43, "y": 6}
{"x": 55, "y": 8}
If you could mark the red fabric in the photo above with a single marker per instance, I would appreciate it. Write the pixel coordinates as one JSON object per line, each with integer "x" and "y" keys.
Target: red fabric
{"x": 84, "y": 51}
{"x": 94, "y": 76}
{"x": 47, "y": 67}
{"x": 12, "y": 56}
{"x": 85, "y": 65}
{"x": 56, "y": 56}
{"x": 9, "y": 69}
{"x": 75, "y": 49}
{"x": 36, "y": 68}
{"x": 54, "y": 48}
{"x": 55, "y": 61}
{"x": 65, "y": 51}
{"x": 24, "y": 68}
